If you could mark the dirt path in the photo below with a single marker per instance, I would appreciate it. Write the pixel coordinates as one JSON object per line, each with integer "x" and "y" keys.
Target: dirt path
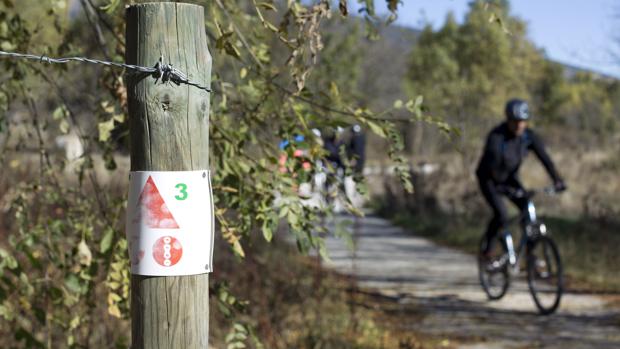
{"x": 438, "y": 287}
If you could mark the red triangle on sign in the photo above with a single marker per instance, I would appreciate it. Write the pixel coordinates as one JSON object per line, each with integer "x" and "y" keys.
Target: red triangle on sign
{"x": 152, "y": 208}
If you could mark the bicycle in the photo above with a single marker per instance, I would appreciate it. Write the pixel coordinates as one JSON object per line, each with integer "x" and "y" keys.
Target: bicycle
{"x": 543, "y": 263}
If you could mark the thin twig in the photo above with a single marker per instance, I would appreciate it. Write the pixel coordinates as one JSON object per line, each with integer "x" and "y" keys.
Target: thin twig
{"x": 106, "y": 24}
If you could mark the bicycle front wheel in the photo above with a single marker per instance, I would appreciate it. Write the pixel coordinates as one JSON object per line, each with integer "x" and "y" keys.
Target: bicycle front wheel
{"x": 493, "y": 269}
{"x": 544, "y": 274}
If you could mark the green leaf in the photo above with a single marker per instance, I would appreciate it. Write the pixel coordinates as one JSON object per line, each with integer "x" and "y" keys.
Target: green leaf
{"x": 418, "y": 102}
{"x": 59, "y": 113}
{"x": 292, "y": 218}
{"x": 111, "y": 6}
{"x": 267, "y": 6}
{"x": 73, "y": 283}
{"x": 244, "y": 166}
{"x": 376, "y": 129}
{"x": 267, "y": 232}
{"x": 240, "y": 328}
{"x": 323, "y": 251}
{"x": 7, "y": 258}
{"x": 106, "y": 240}
{"x": 283, "y": 211}
{"x": 224, "y": 43}
{"x": 7, "y": 46}
{"x": 6, "y": 312}
{"x": 270, "y": 26}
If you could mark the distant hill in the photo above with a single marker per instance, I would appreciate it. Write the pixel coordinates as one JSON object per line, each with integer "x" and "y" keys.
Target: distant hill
{"x": 385, "y": 63}
{"x": 570, "y": 71}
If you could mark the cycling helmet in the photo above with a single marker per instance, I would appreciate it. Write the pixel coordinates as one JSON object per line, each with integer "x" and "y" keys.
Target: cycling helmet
{"x": 517, "y": 109}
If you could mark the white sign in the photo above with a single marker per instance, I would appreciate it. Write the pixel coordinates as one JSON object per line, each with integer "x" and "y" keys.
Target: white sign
{"x": 170, "y": 222}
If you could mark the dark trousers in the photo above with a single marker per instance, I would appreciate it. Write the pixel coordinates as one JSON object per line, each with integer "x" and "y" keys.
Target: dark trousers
{"x": 493, "y": 196}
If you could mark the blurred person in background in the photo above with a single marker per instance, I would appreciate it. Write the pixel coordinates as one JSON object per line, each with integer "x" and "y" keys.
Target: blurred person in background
{"x": 356, "y": 149}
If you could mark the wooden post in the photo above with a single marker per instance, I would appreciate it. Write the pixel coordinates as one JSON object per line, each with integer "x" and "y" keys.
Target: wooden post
{"x": 169, "y": 131}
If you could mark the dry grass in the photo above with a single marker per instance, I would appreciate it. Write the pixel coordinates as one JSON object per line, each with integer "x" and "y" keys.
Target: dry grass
{"x": 294, "y": 303}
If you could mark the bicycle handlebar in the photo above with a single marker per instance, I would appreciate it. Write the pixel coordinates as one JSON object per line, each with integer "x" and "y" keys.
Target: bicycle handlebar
{"x": 520, "y": 193}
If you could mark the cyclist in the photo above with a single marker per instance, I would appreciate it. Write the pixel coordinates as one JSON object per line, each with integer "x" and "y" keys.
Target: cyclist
{"x": 356, "y": 149}
{"x": 506, "y": 147}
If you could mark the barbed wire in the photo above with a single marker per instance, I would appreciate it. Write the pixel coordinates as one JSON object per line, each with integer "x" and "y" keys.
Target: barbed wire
{"x": 161, "y": 71}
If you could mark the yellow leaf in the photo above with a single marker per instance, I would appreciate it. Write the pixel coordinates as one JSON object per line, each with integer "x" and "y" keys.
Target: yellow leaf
{"x": 114, "y": 311}
{"x": 333, "y": 89}
{"x": 63, "y": 126}
{"x": 119, "y": 117}
{"x": 107, "y": 107}
{"x": 85, "y": 257}
{"x": 75, "y": 322}
{"x": 238, "y": 249}
{"x": 105, "y": 129}
{"x": 113, "y": 298}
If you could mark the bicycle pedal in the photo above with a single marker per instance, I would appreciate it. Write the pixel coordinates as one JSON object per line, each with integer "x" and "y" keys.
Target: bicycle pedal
{"x": 541, "y": 269}
{"x": 495, "y": 265}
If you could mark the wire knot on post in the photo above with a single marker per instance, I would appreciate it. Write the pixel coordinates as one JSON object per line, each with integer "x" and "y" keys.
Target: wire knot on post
{"x": 166, "y": 72}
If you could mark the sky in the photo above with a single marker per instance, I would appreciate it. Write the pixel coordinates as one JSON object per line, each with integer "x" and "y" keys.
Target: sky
{"x": 575, "y": 32}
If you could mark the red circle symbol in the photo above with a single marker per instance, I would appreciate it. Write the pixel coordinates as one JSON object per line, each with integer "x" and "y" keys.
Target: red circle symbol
{"x": 167, "y": 251}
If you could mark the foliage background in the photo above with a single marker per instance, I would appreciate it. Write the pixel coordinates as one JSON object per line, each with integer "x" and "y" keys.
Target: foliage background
{"x": 281, "y": 69}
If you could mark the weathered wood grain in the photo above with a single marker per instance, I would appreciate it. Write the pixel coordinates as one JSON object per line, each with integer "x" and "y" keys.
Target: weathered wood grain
{"x": 169, "y": 131}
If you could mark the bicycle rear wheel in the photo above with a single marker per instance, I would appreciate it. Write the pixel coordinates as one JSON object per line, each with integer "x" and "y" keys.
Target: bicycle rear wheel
{"x": 544, "y": 274}
{"x": 493, "y": 269}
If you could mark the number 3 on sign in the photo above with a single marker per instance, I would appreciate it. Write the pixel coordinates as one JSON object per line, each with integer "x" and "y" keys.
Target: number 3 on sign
{"x": 182, "y": 191}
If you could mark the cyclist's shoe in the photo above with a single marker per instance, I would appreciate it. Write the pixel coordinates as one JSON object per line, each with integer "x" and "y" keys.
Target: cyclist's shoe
{"x": 486, "y": 255}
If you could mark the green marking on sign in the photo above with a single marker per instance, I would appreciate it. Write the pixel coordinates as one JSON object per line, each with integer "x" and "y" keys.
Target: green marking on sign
{"x": 182, "y": 190}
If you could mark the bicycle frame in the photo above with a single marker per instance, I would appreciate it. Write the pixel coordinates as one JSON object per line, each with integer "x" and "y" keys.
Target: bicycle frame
{"x": 530, "y": 228}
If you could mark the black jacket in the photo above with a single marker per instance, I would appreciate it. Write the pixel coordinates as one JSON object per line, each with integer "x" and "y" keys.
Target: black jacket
{"x": 504, "y": 152}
